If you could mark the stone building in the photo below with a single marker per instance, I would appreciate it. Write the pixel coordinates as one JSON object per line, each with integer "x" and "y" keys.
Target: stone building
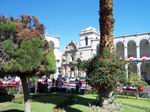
{"x": 84, "y": 50}
{"x": 133, "y": 48}
{"x": 55, "y": 42}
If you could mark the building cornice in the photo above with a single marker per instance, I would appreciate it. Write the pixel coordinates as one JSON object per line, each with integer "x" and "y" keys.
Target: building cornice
{"x": 58, "y": 37}
{"x": 136, "y": 35}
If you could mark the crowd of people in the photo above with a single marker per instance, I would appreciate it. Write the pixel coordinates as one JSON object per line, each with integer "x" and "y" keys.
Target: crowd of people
{"x": 61, "y": 83}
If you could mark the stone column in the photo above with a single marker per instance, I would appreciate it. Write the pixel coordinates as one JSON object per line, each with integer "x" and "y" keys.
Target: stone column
{"x": 126, "y": 67}
{"x": 139, "y": 68}
{"x": 75, "y": 72}
{"x": 68, "y": 71}
{"x": 125, "y": 52}
{"x": 137, "y": 50}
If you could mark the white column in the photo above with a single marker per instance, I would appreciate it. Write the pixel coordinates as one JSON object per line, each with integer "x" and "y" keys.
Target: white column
{"x": 139, "y": 68}
{"x": 137, "y": 50}
{"x": 126, "y": 67}
{"x": 68, "y": 71}
{"x": 125, "y": 52}
{"x": 75, "y": 71}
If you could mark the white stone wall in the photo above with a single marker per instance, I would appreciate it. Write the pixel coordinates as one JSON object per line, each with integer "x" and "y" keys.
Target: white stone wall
{"x": 58, "y": 55}
{"x": 90, "y": 33}
{"x": 131, "y": 45}
{"x": 88, "y": 51}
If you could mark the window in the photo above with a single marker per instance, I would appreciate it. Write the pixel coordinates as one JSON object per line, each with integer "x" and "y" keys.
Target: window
{"x": 73, "y": 57}
{"x": 86, "y": 40}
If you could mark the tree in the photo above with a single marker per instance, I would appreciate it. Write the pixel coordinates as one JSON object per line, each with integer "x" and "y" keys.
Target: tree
{"x": 105, "y": 75}
{"x": 106, "y": 70}
{"x": 27, "y": 53}
{"x": 82, "y": 65}
{"x": 106, "y": 23}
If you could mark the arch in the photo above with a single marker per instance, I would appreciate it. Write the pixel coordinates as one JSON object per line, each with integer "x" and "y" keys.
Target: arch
{"x": 131, "y": 47}
{"x": 144, "y": 48}
{"x": 120, "y": 49}
{"x": 72, "y": 73}
{"x": 145, "y": 72}
{"x": 86, "y": 40}
{"x": 72, "y": 68}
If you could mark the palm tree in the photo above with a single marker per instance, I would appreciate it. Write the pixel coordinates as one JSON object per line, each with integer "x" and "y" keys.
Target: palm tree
{"x": 106, "y": 23}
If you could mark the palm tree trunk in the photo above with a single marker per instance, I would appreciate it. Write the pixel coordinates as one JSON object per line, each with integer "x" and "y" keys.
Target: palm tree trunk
{"x": 27, "y": 104}
{"x": 106, "y": 23}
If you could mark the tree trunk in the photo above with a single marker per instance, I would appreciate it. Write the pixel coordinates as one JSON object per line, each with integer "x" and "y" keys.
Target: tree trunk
{"x": 19, "y": 88}
{"x": 27, "y": 104}
{"x": 36, "y": 85}
{"x": 106, "y": 23}
{"x": 105, "y": 97}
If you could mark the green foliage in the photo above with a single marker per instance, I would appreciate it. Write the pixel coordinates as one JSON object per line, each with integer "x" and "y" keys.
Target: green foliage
{"x": 8, "y": 47}
{"x": 7, "y": 26}
{"x": 23, "y": 43}
{"x": 134, "y": 79}
{"x": 24, "y": 46}
{"x": 18, "y": 99}
{"x": 107, "y": 72}
{"x": 82, "y": 65}
{"x": 28, "y": 56}
{"x": 51, "y": 68}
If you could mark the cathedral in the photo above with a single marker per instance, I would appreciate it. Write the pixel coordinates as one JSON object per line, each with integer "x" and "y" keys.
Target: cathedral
{"x": 133, "y": 48}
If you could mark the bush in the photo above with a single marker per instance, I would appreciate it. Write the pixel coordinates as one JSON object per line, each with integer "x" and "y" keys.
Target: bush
{"x": 135, "y": 80}
{"x": 3, "y": 91}
{"x": 18, "y": 100}
{"x": 106, "y": 73}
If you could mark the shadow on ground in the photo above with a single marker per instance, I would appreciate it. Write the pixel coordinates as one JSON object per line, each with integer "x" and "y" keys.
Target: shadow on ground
{"x": 63, "y": 100}
{"x": 6, "y": 98}
{"x": 12, "y": 110}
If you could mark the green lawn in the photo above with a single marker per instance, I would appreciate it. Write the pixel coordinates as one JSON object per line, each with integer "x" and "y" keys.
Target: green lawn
{"x": 131, "y": 104}
{"x": 47, "y": 103}
{"x": 73, "y": 103}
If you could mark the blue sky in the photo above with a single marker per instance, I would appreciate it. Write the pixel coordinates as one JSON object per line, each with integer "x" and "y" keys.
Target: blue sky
{"x": 67, "y": 18}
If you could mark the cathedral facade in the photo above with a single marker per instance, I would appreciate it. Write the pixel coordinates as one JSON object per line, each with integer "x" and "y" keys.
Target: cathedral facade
{"x": 133, "y": 48}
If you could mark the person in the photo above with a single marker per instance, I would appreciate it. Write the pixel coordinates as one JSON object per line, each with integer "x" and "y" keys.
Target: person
{"x": 53, "y": 82}
{"x": 82, "y": 90}
{"x": 80, "y": 83}
{"x": 77, "y": 85}
{"x": 59, "y": 82}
